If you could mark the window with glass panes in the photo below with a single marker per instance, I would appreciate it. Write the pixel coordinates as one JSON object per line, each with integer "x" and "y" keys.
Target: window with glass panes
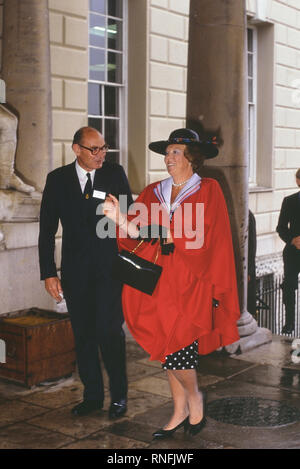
{"x": 252, "y": 79}
{"x": 106, "y": 72}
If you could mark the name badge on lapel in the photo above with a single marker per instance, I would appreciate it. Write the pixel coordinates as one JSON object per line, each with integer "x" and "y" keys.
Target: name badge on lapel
{"x": 99, "y": 195}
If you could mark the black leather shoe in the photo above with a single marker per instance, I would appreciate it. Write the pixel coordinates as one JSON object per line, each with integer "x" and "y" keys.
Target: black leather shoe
{"x": 117, "y": 409}
{"x": 86, "y": 407}
{"x": 193, "y": 429}
{"x": 161, "y": 433}
{"x": 197, "y": 427}
{"x": 288, "y": 329}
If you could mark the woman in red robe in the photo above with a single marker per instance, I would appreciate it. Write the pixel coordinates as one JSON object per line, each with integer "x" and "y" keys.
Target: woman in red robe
{"x": 194, "y": 308}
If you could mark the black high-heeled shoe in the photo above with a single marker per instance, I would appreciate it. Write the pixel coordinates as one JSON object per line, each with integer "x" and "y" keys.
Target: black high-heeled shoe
{"x": 193, "y": 429}
{"x": 161, "y": 433}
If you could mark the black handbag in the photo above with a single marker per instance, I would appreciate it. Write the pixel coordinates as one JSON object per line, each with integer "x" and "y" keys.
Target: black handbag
{"x": 137, "y": 272}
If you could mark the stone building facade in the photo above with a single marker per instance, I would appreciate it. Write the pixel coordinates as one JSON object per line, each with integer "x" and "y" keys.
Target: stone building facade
{"x": 130, "y": 58}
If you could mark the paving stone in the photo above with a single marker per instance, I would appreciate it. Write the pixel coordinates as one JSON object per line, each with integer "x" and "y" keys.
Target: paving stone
{"x": 16, "y": 411}
{"x": 153, "y": 385}
{"x": 25, "y": 436}
{"x": 272, "y": 376}
{"x": 217, "y": 364}
{"x": 106, "y": 440}
{"x": 133, "y": 429}
{"x": 61, "y": 420}
{"x": 53, "y": 398}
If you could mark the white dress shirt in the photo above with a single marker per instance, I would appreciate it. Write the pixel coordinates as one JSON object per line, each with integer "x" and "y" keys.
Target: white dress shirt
{"x": 81, "y": 173}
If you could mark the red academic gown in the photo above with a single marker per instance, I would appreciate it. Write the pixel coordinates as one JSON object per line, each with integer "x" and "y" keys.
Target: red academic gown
{"x": 180, "y": 309}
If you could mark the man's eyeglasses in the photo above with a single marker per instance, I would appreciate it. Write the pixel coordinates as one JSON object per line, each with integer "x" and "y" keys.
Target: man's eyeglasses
{"x": 95, "y": 150}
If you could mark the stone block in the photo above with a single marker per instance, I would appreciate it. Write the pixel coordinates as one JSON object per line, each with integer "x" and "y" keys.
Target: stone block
{"x": 281, "y": 75}
{"x": 56, "y": 28}
{"x": 67, "y": 62}
{"x": 75, "y": 7}
{"x": 160, "y": 3}
{"x": 274, "y": 220}
{"x": 285, "y": 55}
{"x": 292, "y": 119}
{"x": 57, "y": 92}
{"x": 160, "y": 128}
{"x": 252, "y": 202}
{"x": 283, "y": 14}
{"x": 263, "y": 223}
{"x": 20, "y": 235}
{"x": 167, "y": 24}
{"x": 57, "y": 155}
{"x": 280, "y": 117}
{"x": 166, "y": 77}
{"x": 20, "y": 283}
{"x": 180, "y": 6}
{"x": 177, "y": 105}
{"x": 281, "y": 33}
{"x": 285, "y": 138}
{"x": 260, "y": 337}
{"x": 280, "y": 159}
{"x": 158, "y": 48}
{"x": 292, "y": 158}
{"x": 178, "y": 53}
{"x": 186, "y": 29}
{"x": 18, "y": 206}
{"x": 284, "y": 179}
{"x": 154, "y": 176}
{"x": 266, "y": 245}
{"x": 66, "y": 123}
{"x": 283, "y": 96}
{"x": 158, "y": 103}
{"x": 156, "y": 162}
{"x": 76, "y": 95}
{"x": 293, "y": 38}
{"x": 294, "y": 3}
{"x": 251, "y": 6}
{"x": 69, "y": 155}
{"x": 76, "y": 32}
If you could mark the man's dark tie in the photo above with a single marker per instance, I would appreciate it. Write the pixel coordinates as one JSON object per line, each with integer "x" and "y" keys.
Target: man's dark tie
{"x": 88, "y": 187}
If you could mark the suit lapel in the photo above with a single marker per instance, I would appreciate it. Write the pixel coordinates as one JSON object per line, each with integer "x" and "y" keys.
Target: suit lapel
{"x": 73, "y": 183}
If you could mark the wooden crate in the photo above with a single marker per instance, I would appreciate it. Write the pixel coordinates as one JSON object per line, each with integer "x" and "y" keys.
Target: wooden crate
{"x": 39, "y": 346}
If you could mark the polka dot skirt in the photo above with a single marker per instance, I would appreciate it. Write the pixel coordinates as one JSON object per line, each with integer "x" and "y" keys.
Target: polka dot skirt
{"x": 184, "y": 359}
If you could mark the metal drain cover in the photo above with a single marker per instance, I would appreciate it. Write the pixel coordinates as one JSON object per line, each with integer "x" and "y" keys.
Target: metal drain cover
{"x": 252, "y": 412}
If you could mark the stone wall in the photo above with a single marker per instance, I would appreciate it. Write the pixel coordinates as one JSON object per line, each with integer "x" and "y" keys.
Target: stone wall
{"x": 168, "y": 32}
{"x": 285, "y": 15}
{"x": 1, "y": 29}
{"x": 69, "y": 71}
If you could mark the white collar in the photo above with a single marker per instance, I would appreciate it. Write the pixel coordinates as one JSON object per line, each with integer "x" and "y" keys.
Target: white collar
{"x": 166, "y": 188}
{"x": 82, "y": 173}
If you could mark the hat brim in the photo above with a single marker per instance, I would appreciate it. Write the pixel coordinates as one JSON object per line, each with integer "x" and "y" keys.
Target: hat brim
{"x": 209, "y": 150}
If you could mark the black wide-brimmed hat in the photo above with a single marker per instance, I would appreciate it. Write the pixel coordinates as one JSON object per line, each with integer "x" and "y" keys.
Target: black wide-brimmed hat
{"x": 186, "y": 137}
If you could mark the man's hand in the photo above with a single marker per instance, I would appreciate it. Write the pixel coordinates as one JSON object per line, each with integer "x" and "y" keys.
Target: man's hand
{"x": 296, "y": 242}
{"x": 53, "y": 287}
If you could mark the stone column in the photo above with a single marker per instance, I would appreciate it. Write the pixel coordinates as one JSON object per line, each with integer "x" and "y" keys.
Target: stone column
{"x": 217, "y": 102}
{"x": 26, "y": 71}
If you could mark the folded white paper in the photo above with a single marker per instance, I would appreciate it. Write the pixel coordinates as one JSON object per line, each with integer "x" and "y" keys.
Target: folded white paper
{"x": 99, "y": 194}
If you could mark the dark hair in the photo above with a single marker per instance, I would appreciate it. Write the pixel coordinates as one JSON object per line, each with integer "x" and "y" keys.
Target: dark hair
{"x": 78, "y": 136}
{"x": 195, "y": 156}
{"x": 298, "y": 174}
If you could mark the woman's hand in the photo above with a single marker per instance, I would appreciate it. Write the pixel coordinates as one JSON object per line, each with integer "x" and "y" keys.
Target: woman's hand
{"x": 111, "y": 209}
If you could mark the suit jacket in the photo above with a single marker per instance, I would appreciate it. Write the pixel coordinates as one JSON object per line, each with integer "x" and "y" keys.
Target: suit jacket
{"x": 289, "y": 219}
{"x": 63, "y": 200}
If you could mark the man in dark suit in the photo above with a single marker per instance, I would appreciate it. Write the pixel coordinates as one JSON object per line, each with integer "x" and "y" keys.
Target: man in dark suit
{"x": 288, "y": 229}
{"x": 71, "y": 195}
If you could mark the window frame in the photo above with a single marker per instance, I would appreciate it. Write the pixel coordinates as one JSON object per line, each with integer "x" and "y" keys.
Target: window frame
{"x": 252, "y": 109}
{"x": 122, "y": 87}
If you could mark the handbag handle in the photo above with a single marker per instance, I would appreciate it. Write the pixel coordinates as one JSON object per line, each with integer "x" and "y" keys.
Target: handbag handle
{"x": 138, "y": 245}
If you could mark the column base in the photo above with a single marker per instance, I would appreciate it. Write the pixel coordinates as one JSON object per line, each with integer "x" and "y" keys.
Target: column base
{"x": 251, "y": 336}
